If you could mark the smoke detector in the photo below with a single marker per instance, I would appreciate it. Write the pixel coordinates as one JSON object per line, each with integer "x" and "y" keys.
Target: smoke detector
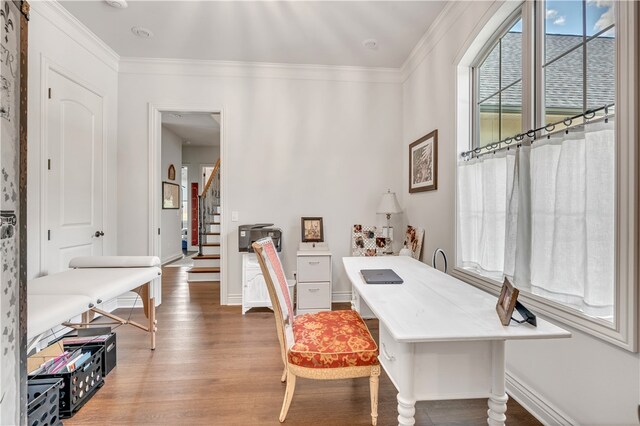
{"x": 118, "y": 4}
{"x": 142, "y": 32}
{"x": 371, "y": 44}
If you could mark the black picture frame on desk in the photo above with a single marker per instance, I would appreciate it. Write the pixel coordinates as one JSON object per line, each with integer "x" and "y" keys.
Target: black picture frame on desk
{"x": 170, "y": 196}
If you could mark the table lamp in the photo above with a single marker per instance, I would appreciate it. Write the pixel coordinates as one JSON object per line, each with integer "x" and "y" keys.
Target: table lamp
{"x": 388, "y": 205}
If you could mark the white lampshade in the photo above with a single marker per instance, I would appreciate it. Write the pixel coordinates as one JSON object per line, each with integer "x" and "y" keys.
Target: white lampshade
{"x": 389, "y": 204}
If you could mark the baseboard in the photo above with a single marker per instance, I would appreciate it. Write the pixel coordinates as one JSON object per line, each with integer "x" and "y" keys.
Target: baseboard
{"x": 109, "y": 306}
{"x": 540, "y": 408}
{"x": 129, "y": 300}
{"x": 341, "y": 297}
{"x": 171, "y": 258}
{"x": 234, "y": 299}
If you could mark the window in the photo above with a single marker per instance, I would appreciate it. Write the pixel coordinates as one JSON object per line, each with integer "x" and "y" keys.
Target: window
{"x": 499, "y": 89}
{"x": 578, "y": 62}
{"x": 553, "y": 213}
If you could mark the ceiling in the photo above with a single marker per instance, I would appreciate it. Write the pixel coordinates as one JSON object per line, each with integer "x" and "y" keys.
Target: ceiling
{"x": 294, "y": 32}
{"x": 194, "y": 128}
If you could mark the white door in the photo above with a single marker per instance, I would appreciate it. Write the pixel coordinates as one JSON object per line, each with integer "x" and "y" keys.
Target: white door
{"x": 75, "y": 173}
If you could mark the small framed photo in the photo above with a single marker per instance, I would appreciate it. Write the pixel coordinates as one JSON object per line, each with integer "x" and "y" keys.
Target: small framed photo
{"x": 170, "y": 195}
{"x": 507, "y": 301}
{"x": 423, "y": 163}
{"x": 172, "y": 172}
{"x": 312, "y": 231}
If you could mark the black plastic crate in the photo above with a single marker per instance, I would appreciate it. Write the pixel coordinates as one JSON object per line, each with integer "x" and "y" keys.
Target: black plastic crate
{"x": 43, "y": 402}
{"x": 79, "y": 385}
{"x": 109, "y": 358}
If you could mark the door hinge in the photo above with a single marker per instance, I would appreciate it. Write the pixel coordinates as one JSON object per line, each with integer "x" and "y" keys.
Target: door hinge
{"x": 158, "y": 231}
{"x": 49, "y": 164}
{"x": 49, "y": 92}
{"x": 48, "y": 234}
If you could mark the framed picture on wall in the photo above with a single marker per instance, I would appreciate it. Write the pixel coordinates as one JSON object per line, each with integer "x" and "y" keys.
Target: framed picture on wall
{"x": 172, "y": 172}
{"x": 423, "y": 163}
{"x": 312, "y": 231}
{"x": 170, "y": 195}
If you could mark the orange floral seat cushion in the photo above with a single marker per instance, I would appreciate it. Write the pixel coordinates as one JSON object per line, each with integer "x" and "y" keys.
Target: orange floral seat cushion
{"x": 332, "y": 339}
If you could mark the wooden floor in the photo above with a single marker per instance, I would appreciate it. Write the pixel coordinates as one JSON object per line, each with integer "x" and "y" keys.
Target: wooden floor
{"x": 214, "y": 366}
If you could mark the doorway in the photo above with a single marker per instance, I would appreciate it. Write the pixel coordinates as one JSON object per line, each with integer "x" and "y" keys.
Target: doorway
{"x": 187, "y": 124}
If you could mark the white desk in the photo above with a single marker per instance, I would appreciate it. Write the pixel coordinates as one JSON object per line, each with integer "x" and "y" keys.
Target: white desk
{"x": 440, "y": 338}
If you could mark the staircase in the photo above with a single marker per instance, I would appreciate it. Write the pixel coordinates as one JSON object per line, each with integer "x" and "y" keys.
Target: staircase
{"x": 206, "y": 264}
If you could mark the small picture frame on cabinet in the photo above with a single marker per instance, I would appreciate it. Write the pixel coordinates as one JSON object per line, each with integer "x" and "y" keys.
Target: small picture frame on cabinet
{"x": 312, "y": 230}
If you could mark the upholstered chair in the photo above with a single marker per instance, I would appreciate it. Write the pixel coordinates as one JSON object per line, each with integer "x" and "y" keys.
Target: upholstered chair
{"x": 324, "y": 345}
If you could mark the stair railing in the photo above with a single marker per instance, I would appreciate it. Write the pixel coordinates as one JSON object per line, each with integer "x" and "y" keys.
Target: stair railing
{"x": 208, "y": 203}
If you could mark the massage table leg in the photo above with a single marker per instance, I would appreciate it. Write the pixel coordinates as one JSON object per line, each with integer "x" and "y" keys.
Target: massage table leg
{"x": 148, "y": 304}
{"x": 152, "y": 322}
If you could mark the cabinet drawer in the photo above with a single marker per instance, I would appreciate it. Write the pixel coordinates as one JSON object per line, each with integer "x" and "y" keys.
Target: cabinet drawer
{"x": 314, "y": 295}
{"x": 314, "y": 268}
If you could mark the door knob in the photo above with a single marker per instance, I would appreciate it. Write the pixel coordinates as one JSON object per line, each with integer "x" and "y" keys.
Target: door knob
{"x": 98, "y": 234}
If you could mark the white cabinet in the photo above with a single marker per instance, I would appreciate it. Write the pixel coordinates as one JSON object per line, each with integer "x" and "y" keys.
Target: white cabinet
{"x": 314, "y": 281}
{"x": 254, "y": 287}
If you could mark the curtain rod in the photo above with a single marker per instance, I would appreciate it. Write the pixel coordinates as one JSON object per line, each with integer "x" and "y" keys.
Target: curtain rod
{"x": 519, "y": 138}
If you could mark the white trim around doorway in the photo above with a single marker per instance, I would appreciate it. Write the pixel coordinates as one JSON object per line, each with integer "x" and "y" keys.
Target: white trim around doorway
{"x": 154, "y": 149}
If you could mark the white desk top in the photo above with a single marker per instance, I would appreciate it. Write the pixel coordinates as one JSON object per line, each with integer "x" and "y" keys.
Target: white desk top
{"x": 431, "y": 306}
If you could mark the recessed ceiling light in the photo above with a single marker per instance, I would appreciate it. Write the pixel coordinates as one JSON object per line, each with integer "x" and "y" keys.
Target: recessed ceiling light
{"x": 371, "y": 44}
{"x": 142, "y": 32}
{"x": 120, "y": 4}
{"x": 187, "y": 142}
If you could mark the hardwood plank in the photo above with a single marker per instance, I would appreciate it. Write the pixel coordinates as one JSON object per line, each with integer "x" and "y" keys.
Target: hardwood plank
{"x": 214, "y": 366}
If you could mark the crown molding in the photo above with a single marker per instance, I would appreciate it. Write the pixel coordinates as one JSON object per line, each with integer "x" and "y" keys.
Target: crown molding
{"x": 60, "y": 17}
{"x": 211, "y": 68}
{"x": 443, "y": 23}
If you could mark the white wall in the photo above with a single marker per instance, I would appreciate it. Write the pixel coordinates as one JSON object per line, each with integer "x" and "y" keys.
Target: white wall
{"x": 298, "y": 142}
{"x": 170, "y": 220}
{"x": 56, "y": 39}
{"x": 582, "y": 379}
{"x": 195, "y": 157}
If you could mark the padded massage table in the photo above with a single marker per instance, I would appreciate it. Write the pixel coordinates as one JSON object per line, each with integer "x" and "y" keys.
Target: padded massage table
{"x": 54, "y": 299}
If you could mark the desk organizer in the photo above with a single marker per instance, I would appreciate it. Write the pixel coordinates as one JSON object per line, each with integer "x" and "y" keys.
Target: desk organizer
{"x": 79, "y": 385}
{"x": 43, "y": 400}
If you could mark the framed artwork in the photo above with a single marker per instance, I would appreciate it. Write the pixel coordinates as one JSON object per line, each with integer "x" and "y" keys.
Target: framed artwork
{"x": 507, "y": 301}
{"x": 170, "y": 195}
{"x": 312, "y": 231}
{"x": 172, "y": 172}
{"x": 423, "y": 163}
{"x": 413, "y": 241}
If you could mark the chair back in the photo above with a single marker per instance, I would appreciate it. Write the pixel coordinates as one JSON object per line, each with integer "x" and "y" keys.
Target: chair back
{"x": 278, "y": 291}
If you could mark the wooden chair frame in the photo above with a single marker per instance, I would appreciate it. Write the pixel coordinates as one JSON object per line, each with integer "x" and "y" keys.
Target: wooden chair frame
{"x": 291, "y": 372}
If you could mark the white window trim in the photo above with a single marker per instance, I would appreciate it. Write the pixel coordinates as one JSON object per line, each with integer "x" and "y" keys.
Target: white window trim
{"x": 624, "y": 331}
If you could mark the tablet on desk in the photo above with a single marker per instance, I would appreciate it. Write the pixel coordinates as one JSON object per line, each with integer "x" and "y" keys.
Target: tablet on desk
{"x": 380, "y": 276}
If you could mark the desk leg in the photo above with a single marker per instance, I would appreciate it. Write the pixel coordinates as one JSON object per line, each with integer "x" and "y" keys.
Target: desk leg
{"x": 498, "y": 398}
{"x": 406, "y": 396}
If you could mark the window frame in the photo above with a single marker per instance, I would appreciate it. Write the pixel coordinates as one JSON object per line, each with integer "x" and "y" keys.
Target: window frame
{"x": 623, "y": 331}
{"x": 515, "y": 16}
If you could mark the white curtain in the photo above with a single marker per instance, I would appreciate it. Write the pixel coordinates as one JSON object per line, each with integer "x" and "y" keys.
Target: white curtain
{"x": 544, "y": 216}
